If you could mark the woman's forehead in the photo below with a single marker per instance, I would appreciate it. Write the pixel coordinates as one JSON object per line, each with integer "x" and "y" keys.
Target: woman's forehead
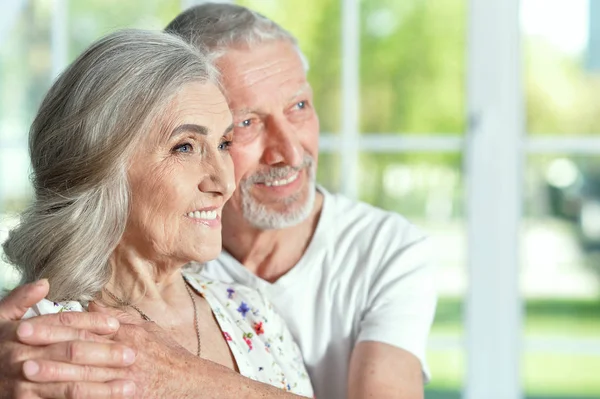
{"x": 197, "y": 104}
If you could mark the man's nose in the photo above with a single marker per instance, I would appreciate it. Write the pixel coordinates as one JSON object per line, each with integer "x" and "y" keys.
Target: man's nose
{"x": 282, "y": 143}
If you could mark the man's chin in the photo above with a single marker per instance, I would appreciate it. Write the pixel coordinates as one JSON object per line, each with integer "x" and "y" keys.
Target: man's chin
{"x": 278, "y": 216}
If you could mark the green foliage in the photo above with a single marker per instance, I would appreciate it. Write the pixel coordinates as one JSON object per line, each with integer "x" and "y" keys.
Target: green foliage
{"x": 561, "y": 95}
{"x": 90, "y": 19}
{"x": 572, "y": 318}
{"x": 545, "y": 376}
{"x": 412, "y": 66}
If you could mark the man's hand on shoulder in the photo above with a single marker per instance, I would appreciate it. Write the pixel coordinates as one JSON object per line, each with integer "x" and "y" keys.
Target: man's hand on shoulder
{"x": 164, "y": 369}
{"x": 383, "y": 371}
{"x": 63, "y": 355}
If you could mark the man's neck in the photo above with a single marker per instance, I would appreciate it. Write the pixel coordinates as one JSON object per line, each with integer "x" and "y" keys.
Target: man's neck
{"x": 270, "y": 254}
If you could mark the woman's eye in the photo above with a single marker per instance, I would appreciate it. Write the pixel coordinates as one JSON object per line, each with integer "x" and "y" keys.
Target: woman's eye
{"x": 187, "y": 147}
{"x": 224, "y": 145}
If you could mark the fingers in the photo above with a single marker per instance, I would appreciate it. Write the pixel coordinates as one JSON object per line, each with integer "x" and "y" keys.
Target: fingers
{"x": 75, "y": 352}
{"x": 49, "y": 371}
{"x": 90, "y": 353}
{"x": 14, "y": 306}
{"x": 42, "y": 334}
{"x": 77, "y": 390}
{"x": 92, "y": 322}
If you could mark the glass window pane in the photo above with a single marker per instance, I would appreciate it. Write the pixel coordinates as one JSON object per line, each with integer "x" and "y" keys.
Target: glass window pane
{"x": 328, "y": 171}
{"x": 561, "y": 376}
{"x": 428, "y": 189}
{"x": 561, "y": 43}
{"x": 448, "y": 372}
{"x": 412, "y": 66}
{"x": 91, "y": 19}
{"x": 316, "y": 25}
{"x": 25, "y": 69}
{"x": 560, "y": 276}
{"x": 24, "y": 76}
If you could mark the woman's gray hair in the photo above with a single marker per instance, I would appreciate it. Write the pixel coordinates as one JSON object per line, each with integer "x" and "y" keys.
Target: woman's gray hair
{"x": 81, "y": 143}
{"x": 218, "y": 27}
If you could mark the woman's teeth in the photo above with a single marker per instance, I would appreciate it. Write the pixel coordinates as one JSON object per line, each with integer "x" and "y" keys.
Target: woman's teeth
{"x": 207, "y": 215}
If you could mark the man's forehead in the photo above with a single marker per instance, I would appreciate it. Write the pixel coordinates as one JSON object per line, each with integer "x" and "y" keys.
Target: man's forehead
{"x": 262, "y": 63}
{"x": 283, "y": 96}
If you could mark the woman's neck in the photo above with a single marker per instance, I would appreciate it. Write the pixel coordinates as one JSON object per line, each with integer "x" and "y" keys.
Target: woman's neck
{"x": 154, "y": 290}
{"x": 136, "y": 279}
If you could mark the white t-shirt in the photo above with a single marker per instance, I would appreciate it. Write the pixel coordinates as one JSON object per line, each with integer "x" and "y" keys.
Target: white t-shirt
{"x": 364, "y": 277}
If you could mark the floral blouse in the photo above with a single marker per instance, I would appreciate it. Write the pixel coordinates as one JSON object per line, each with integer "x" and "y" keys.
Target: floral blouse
{"x": 262, "y": 346}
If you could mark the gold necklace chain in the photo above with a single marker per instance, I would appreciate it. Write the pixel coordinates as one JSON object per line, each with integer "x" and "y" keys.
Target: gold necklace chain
{"x": 145, "y": 316}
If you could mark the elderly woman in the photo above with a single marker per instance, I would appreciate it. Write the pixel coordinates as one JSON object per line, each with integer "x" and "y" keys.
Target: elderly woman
{"x": 131, "y": 170}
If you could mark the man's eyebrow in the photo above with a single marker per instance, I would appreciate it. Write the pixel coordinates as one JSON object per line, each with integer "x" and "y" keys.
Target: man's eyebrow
{"x": 189, "y": 127}
{"x": 304, "y": 89}
{"x": 243, "y": 111}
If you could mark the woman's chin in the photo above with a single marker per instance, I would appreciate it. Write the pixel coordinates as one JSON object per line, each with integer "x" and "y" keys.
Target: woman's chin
{"x": 208, "y": 253}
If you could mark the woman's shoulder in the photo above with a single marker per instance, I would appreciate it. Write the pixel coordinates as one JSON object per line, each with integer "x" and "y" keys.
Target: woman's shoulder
{"x": 248, "y": 309}
{"x": 266, "y": 350}
{"x": 222, "y": 290}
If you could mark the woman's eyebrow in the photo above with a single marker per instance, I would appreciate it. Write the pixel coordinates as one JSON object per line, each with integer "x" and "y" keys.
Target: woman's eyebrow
{"x": 189, "y": 127}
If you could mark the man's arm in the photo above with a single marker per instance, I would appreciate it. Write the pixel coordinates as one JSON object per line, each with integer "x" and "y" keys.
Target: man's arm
{"x": 58, "y": 339}
{"x": 384, "y": 371}
{"x": 390, "y": 355}
{"x": 165, "y": 369}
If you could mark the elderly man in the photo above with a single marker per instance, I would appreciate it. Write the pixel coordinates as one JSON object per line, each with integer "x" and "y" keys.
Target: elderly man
{"x": 351, "y": 280}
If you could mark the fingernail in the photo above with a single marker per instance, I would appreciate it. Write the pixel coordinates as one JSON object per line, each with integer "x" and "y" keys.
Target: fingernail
{"x": 129, "y": 389}
{"x": 30, "y": 368}
{"x": 25, "y": 330}
{"x": 128, "y": 356}
{"x": 113, "y": 323}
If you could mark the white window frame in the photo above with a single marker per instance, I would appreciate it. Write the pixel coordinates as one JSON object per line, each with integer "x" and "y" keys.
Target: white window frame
{"x": 494, "y": 159}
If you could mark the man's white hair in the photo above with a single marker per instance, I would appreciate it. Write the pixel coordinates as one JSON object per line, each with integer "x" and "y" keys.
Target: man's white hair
{"x": 217, "y": 27}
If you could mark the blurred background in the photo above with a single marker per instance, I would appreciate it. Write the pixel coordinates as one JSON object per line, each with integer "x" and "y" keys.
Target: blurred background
{"x": 392, "y": 82}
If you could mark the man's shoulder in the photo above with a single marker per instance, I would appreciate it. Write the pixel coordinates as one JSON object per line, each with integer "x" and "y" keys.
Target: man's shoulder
{"x": 367, "y": 221}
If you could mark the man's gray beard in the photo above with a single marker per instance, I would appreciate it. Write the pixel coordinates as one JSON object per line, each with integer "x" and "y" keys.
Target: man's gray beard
{"x": 260, "y": 217}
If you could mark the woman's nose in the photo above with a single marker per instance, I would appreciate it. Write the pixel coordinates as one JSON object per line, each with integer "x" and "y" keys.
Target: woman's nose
{"x": 220, "y": 179}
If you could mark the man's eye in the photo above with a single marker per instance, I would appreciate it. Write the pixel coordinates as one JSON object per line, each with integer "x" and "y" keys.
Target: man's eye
{"x": 187, "y": 147}
{"x": 301, "y": 105}
{"x": 245, "y": 123}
